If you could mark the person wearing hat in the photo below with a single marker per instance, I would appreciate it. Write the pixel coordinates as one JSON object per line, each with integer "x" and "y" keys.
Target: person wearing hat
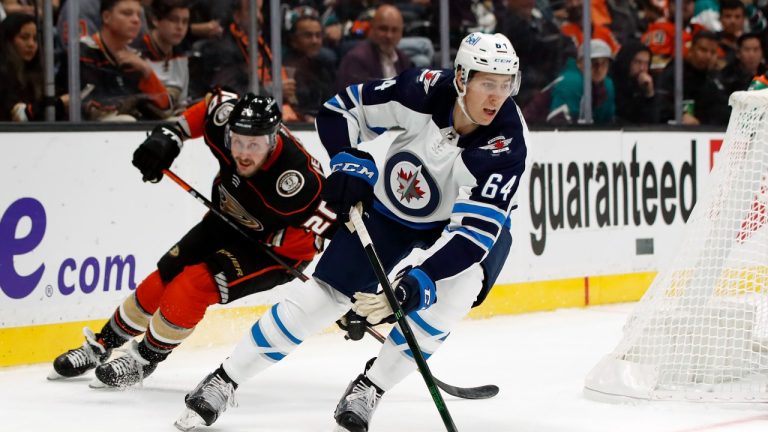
{"x": 568, "y": 91}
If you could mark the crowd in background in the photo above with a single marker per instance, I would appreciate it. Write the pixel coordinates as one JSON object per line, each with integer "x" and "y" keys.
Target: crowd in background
{"x": 150, "y": 59}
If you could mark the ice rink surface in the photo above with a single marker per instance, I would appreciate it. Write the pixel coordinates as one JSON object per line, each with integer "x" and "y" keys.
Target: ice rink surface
{"x": 539, "y": 361}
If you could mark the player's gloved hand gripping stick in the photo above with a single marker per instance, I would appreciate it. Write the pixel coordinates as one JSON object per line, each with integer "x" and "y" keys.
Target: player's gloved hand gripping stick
{"x": 356, "y": 219}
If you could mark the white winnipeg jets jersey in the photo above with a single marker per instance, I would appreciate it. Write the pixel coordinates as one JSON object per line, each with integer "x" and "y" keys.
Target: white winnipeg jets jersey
{"x": 431, "y": 176}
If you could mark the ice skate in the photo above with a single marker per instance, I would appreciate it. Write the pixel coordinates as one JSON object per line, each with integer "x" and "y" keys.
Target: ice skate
{"x": 80, "y": 360}
{"x": 356, "y": 407}
{"x": 123, "y": 371}
{"x": 207, "y": 401}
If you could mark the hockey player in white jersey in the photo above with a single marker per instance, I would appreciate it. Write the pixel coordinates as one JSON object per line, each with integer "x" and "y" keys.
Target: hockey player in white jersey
{"x": 446, "y": 184}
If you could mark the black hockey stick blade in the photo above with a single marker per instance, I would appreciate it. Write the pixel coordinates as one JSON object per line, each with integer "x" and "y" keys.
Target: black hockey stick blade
{"x": 481, "y": 392}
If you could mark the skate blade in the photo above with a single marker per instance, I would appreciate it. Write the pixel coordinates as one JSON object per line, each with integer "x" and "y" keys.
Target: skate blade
{"x": 54, "y": 376}
{"x": 188, "y": 420}
{"x": 98, "y": 385}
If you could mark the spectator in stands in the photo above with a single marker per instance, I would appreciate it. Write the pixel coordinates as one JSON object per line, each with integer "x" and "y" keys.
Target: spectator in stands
{"x": 704, "y": 98}
{"x": 660, "y": 35}
{"x": 572, "y": 27}
{"x": 160, "y": 47}
{"x": 377, "y": 56}
{"x": 635, "y": 95}
{"x": 732, "y": 19}
{"x": 747, "y": 64}
{"x": 124, "y": 86}
{"x": 541, "y": 47}
{"x": 568, "y": 92}
{"x": 225, "y": 62}
{"x": 315, "y": 74}
{"x": 21, "y": 75}
{"x": 90, "y": 20}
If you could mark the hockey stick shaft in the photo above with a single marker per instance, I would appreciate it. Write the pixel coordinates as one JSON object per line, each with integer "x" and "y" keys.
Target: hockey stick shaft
{"x": 481, "y": 392}
{"x": 190, "y": 190}
{"x": 362, "y": 233}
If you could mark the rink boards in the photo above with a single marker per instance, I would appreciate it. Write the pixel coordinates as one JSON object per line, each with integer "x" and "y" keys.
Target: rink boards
{"x": 598, "y": 213}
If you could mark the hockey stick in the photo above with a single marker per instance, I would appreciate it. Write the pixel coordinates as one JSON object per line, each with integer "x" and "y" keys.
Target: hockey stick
{"x": 301, "y": 276}
{"x": 482, "y": 392}
{"x": 362, "y": 233}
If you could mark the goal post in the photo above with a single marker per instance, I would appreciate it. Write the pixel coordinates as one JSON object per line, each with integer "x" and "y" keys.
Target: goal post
{"x": 700, "y": 332}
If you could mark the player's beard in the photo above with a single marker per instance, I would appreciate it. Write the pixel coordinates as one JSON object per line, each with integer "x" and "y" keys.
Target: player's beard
{"x": 249, "y": 168}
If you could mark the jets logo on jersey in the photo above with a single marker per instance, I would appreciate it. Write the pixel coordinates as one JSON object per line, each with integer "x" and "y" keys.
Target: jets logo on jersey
{"x": 230, "y": 206}
{"x": 409, "y": 185}
{"x": 498, "y": 145}
{"x": 429, "y": 78}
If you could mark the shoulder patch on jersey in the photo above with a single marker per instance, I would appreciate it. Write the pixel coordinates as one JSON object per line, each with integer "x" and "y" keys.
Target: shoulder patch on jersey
{"x": 498, "y": 145}
{"x": 289, "y": 183}
{"x": 429, "y": 78}
{"x": 221, "y": 115}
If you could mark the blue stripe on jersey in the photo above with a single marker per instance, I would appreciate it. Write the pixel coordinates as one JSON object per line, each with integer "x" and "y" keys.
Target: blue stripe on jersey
{"x": 334, "y": 101}
{"x": 379, "y": 207}
{"x": 261, "y": 342}
{"x": 282, "y": 328}
{"x": 498, "y": 216}
{"x": 486, "y": 241}
{"x": 355, "y": 89}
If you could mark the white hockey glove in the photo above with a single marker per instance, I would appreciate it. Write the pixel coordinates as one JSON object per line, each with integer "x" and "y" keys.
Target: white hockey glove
{"x": 414, "y": 290}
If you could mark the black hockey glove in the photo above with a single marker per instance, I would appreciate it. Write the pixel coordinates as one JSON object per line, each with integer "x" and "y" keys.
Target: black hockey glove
{"x": 157, "y": 152}
{"x": 353, "y": 174}
{"x": 414, "y": 290}
{"x": 353, "y": 324}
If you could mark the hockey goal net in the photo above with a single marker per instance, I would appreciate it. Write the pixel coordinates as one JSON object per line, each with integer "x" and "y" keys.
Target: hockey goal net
{"x": 700, "y": 332}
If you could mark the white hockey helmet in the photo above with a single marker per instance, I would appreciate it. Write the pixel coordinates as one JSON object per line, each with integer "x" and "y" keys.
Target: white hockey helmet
{"x": 491, "y": 53}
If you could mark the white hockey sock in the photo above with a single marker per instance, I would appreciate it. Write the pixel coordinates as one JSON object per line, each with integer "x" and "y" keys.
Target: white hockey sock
{"x": 284, "y": 327}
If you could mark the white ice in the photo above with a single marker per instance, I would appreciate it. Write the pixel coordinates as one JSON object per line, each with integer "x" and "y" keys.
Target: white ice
{"x": 539, "y": 361}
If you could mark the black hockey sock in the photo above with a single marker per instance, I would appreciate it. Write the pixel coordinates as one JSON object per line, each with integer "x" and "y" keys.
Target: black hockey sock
{"x": 109, "y": 338}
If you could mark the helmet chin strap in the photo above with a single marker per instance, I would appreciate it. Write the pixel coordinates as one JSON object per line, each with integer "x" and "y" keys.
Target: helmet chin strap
{"x": 460, "y": 100}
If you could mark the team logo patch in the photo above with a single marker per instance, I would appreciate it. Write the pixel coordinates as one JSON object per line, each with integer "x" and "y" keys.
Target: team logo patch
{"x": 429, "y": 78}
{"x": 473, "y": 39}
{"x": 222, "y": 114}
{"x": 497, "y": 145}
{"x": 174, "y": 252}
{"x": 290, "y": 183}
{"x": 409, "y": 185}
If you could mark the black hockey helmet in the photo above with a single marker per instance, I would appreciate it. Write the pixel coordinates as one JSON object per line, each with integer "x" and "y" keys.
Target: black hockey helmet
{"x": 255, "y": 115}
